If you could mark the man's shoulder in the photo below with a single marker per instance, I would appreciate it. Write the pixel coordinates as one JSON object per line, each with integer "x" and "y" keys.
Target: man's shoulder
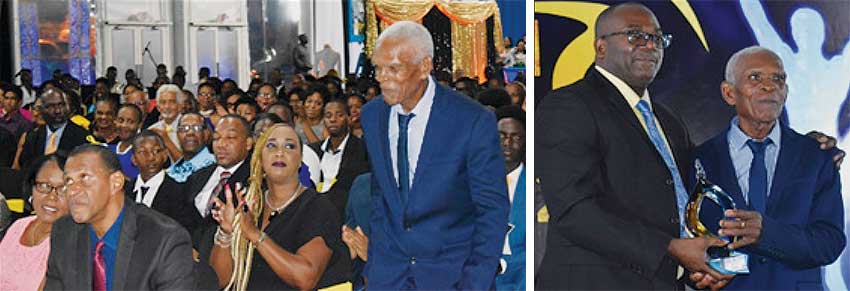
{"x": 149, "y": 221}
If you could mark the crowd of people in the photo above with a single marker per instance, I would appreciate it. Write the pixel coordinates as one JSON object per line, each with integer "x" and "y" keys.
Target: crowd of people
{"x": 283, "y": 185}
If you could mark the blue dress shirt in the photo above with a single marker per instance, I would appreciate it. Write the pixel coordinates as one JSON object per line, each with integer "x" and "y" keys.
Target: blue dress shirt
{"x": 110, "y": 241}
{"x": 742, "y": 156}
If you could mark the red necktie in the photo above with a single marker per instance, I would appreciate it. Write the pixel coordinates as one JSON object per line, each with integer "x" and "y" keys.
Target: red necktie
{"x": 99, "y": 279}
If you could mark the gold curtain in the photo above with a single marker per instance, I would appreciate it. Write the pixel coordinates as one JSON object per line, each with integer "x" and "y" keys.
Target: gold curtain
{"x": 469, "y": 28}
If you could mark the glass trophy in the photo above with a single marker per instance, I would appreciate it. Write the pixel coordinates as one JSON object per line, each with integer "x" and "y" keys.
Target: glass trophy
{"x": 708, "y": 202}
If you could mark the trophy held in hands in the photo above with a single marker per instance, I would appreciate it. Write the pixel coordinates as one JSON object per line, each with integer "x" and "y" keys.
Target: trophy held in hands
{"x": 708, "y": 202}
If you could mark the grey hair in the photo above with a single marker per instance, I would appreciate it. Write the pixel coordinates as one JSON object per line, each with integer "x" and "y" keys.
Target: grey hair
{"x": 737, "y": 56}
{"x": 413, "y": 33}
{"x": 170, "y": 88}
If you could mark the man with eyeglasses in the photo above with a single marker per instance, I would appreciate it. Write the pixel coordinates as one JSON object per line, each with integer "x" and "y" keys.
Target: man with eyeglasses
{"x": 613, "y": 170}
{"x": 194, "y": 136}
{"x": 266, "y": 96}
{"x": 58, "y": 134}
{"x": 108, "y": 243}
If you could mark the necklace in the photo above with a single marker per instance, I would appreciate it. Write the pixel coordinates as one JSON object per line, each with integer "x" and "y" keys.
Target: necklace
{"x": 277, "y": 210}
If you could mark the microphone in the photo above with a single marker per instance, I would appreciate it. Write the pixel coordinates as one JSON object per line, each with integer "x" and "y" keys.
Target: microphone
{"x": 147, "y": 45}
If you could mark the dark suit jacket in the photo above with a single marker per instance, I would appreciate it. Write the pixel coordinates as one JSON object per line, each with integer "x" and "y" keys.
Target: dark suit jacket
{"x": 33, "y": 148}
{"x": 354, "y": 162}
{"x": 803, "y": 225}
{"x": 610, "y": 196}
{"x": 154, "y": 253}
{"x": 8, "y": 147}
{"x": 203, "y": 228}
{"x": 169, "y": 200}
{"x": 454, "y": 224}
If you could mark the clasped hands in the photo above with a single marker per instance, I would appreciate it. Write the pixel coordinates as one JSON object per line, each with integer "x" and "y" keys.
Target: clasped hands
{"x": 691, "y": 252}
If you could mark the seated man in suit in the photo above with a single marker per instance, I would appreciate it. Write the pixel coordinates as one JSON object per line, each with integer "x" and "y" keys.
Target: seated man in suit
{"x": 342, "y": 156}
{"x": 511, "y": 125}
{"x": 58, "y": 134}
{"x": 232, "y": 145}
{"x": 791, "y": 217}
{"x": 111, "y": 244}
{"x": 194, "y": 135}
{"x": 152, "y": 187}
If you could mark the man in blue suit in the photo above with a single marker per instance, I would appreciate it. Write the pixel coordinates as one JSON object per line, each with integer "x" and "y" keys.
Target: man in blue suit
{"x": 791, "y": 218}
{"x": 439, "y": 196}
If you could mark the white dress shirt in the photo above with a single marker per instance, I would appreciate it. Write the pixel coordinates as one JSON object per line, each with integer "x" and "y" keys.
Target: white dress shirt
{"x": 203, "y": 198}
{"x": 153, "y": 187}
{"x": 330, "y": 163}
{"x": 170, "y": 128}
{"x": 415, "y": 130}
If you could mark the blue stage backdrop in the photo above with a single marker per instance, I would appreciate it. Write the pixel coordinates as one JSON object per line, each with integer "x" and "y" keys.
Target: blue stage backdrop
{"x": 810, "y": 36}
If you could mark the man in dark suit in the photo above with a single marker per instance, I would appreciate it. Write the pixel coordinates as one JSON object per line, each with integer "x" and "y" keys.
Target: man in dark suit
{"x": 109, "y": 244}
{"x": 232, "y": 145}
{"x": 152, "y": 187}
{"x": 788, "y": 191}
{"x": 342, "y": 156}
{"x": 612, "y": 169}
{"x": 58, "y": 134}
{"x": 440, "y": 203}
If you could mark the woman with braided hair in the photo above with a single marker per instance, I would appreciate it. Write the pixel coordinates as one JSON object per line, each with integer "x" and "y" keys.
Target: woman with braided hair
{"x": 277, "y": 235}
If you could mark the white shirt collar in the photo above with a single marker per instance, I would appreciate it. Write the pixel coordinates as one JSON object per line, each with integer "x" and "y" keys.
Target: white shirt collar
{"x": 423, "y": 107}
{"x": 232, "y": 170}
{"x": 631, "y": 96}
{"x": 156, "y": 180}
{"x": 326, "y": 143}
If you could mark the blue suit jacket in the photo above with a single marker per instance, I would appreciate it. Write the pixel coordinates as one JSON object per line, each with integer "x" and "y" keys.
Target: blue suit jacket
{"x": 451, "y": 232}
{"x": 803, "y": 227}
{"x": 513, "y": 277}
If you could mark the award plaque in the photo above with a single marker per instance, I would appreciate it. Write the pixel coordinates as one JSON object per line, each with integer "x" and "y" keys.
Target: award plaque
{"x": 709, "y": 200}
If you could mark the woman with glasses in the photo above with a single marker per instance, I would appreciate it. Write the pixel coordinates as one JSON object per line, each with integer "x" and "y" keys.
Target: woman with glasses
{"x": 26, "y": 246}
{"x": 279, "y": 234}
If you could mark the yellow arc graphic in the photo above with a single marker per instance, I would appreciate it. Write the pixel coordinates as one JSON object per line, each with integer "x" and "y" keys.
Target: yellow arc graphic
{"x": 579, "y": 54}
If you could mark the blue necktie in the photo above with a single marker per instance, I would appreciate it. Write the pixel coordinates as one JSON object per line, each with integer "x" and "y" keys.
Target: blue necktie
{"x": 661, "y": 147}
{"x": 401, "y": 159}
{"x": 758, "y": 175}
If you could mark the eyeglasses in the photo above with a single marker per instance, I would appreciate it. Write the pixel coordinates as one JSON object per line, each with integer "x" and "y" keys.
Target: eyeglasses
{"x": 265, "y": 95}
{"x": 187, "y": 128}
{"x": 640, "y": 38}
{"x": 45, "y": 188}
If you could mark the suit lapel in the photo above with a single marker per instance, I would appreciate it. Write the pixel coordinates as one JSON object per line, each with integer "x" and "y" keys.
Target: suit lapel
{"x": 393, "y": 198}
{"x": 83, "y": 259}
{"x": 617, "y": 102}
{"x": 435, "y": 133}
{"x": 726, "y": 174}
{"x": 784, "y": 166}
{"x": 126, "y": 242}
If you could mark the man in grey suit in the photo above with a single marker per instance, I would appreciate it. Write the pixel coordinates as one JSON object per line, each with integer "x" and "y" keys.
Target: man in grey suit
{"x": 108, "y": 244}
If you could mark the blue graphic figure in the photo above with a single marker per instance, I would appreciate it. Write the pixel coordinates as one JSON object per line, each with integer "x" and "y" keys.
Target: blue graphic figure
{"x": 817, "y": 91}
{"x": 817, "y": 86}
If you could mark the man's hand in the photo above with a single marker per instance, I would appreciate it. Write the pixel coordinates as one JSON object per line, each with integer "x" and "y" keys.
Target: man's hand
{"x": 747, "y": 227}
{"x": 705, "y": 281}
{"x": 827, "y": 143}
{"x": 691, "y": 254}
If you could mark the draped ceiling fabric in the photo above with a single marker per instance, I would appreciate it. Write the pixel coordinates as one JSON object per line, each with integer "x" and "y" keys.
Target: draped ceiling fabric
{"x": 469, "y": 28}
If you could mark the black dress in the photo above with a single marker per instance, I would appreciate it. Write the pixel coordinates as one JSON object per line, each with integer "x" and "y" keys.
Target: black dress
{"x": 311, "y": 215}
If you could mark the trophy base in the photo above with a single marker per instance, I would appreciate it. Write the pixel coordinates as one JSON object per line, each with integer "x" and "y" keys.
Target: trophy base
{"x": 734, "y": 264}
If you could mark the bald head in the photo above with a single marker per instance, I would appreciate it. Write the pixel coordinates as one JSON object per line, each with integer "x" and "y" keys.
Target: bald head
{"x": 608, "y": 20}
{"x": 733, "y": 66}
{"x": 622, "y": 47}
